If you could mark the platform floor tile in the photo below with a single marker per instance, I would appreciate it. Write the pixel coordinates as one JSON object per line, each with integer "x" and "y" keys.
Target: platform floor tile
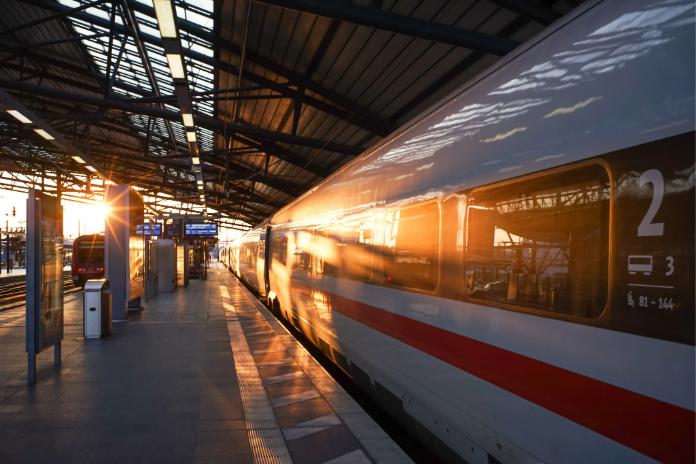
{"x": 171, "y": 386}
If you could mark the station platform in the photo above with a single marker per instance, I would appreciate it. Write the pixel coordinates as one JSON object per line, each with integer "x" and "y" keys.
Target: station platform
{"x": 204, "y": 375}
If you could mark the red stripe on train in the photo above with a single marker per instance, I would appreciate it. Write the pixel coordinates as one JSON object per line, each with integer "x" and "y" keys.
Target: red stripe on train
{"x": 652, "y": 427}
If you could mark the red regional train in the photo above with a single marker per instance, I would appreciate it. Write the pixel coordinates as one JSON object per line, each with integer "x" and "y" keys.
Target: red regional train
{"x": 88, "y": 258}
{"x": 511, "y": 273}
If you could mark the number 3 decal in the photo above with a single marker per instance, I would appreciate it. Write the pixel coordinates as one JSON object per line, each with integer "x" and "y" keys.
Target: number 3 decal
{"x": 646, "y": 227}
{"x": 670, "y": 266}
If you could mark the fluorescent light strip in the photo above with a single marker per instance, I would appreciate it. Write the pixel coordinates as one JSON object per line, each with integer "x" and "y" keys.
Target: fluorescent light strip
{"x": 188, "y": 119}
{"x": 165, "y": 18}
{"x": 191, "y": 136}
{"x": 44, "y": 134}
{"x": 79, "y": 160}
{"x": 91, "y": 168}
{"x": 19, "y": 116}
{"x": 176, "y": 66}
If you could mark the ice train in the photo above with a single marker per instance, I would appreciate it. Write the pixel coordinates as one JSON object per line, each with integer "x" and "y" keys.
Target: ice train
{"x": 511, "y": 273}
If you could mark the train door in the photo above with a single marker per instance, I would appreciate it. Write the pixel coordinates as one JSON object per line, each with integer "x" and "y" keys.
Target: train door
{"x": 267, "y": 261}
{"x": 260, "y": 268}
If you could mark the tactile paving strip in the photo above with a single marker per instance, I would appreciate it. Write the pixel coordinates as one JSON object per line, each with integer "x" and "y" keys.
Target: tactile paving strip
{"x": 265, "y": 436}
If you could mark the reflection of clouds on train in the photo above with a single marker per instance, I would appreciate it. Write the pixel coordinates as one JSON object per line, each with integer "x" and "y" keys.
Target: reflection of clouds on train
{"x": 628, "y": 184}
{"x": 605, "y": 50}
{"x": 466, "y": 122}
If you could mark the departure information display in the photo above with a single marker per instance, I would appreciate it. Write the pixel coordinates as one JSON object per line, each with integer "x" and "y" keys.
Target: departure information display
{"x": 200, "y": 229}
{"x": 148, "y": 229}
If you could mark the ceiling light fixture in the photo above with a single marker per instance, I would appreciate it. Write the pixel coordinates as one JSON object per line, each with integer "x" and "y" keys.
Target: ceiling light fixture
{"x": 79, "y": 160}
{"x": 165, "y": 18}
{"x": 191, "y": 136}
{"x": 176, "y": 66}
{"x": 19, "y": 116}
{"x": 188, "y": 119}
{"x": 91, "y": 168}
{"x": 195, "y": 160}
{"x": 44, "y": 134}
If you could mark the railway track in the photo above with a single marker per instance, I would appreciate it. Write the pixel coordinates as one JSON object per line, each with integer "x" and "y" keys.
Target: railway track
{"x": 17, "y": 291}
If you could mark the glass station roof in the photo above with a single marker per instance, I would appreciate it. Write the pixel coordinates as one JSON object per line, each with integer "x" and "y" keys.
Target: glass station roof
{"x": 131, "y": 69}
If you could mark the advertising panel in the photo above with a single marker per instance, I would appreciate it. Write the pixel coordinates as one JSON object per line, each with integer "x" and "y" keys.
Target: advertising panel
{"x": 51, "y": 318}
{"x": 136, "y": 245}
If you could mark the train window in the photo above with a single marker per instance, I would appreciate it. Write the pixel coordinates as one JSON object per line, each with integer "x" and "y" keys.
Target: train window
{"x": 542, "y": 243}
{"x": 301, "y": 252}
{"x": 279, "y": 249}
{"x": 356, "y": 249}
{"x": 325, "y": 249}
{"x": 89, "y": 253}
{"x": 412, "y": 243}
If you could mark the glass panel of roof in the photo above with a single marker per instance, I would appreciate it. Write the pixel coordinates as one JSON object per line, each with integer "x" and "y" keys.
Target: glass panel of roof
{"x": 199, "y": 12}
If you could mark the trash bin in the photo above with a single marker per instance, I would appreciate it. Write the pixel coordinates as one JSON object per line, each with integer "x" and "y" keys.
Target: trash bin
{"x": 97, "y": 309}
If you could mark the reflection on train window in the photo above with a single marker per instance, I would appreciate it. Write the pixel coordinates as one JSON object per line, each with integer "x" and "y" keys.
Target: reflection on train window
{"x": 89, "y": 253}
{"x": 325, "y": 250}
{"x": 411, "y": 247}
{"x": 542, "y": 243}
{"x": 245, "y": 255}
{"x": 279, "y": 249}
{"x": 301, "y": 252}
{"x": 356, "y": 249}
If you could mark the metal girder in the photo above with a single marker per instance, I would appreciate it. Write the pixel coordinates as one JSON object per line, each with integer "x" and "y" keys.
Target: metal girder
{"x": 84, "y": 72}
{"x": 202, "y": 121}
{"x": 49, "y": 76}
{"x": 294, "y": 77}
{"x": 239, "y": 172}
{"x": 182, "y": 147}
{"x": 52, "y": 17}
{"x": 11, "y": 48}
{"x": 528, "y": 9}
{"x": 357, "y": 116}
{"x": 57, "y": 140}
{"x": 282, "y": 153}
{"x": 407, "y": 25}
{"x": 254, "y": 198}
{"x": 167, "y": 98}
{"x": 129, "y": 17}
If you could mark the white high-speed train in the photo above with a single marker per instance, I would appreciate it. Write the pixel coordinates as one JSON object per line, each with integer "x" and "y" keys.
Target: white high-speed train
{"x": 511, "y": 273}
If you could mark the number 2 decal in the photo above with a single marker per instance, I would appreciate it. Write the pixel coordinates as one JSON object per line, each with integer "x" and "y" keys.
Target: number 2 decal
{"x": 646, "y": 227}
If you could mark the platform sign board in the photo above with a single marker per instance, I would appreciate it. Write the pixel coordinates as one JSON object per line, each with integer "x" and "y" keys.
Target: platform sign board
{"x": 125, "y": 248}
{"x": 149, "y": 229}
{"x": 44, "y": 309}
{"x": 172, "y": 231}
{"x": 200, "y": 229}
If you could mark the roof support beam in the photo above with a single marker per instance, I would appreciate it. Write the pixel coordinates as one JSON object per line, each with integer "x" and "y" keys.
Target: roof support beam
{"x": 358, "y": 116}
{"x": 12, "y": 48}
{"x": 84, "y": 72}
{"x": 52, "y": 17}
{"x": 202, "y": 121}
{"x": 134, "y": 31}
{"x": 407, "y": 25}
{"x": 56, "y": 139}
{"x": 295, "y": 78}
{"x": 238, "y": 172}
{"x": 282, "y": 153}
{"x": 534, "y": 11}
{"x": 254, "y": 198}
